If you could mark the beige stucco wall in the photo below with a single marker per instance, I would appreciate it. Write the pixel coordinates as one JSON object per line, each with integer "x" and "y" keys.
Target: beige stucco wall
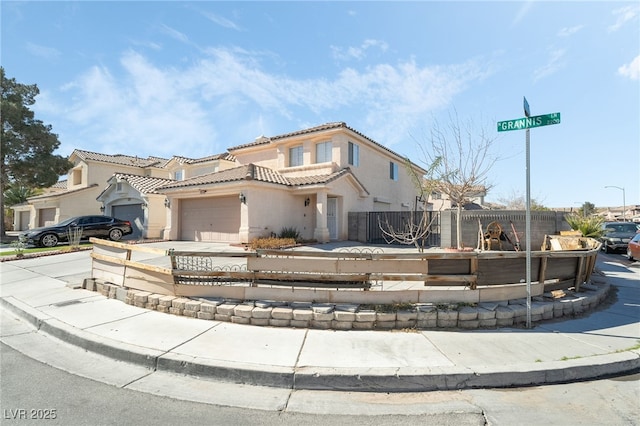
{"x": 372, "y": 171}
{"x": 98, "y": 173}
{"x": 79, "y": 203}
{"x": 156, "y": 216}
{"x": 269, "y": 209}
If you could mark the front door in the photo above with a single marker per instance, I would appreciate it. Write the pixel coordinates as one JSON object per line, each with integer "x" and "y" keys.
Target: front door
{"x": 332, "y": 218}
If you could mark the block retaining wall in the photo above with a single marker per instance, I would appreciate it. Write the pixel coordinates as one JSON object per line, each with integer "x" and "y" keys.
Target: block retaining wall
{"x": 355, "y": 317}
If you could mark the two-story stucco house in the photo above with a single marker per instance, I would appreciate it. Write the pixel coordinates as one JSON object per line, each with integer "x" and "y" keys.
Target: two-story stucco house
{"x": 129, "y": 193}
{"x": 77, "y": 194}
{"x": 308, "y": 180}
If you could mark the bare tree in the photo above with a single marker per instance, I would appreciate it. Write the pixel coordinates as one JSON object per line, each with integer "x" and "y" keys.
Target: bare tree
{"x": 463, "y": 151}
{"x": 417, "y": 228}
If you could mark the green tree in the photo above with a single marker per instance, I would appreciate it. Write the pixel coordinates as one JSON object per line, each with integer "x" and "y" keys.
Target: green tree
{"x": 16, "y": 193}
{"x": 27, "y": 144}
{"x": 587, "y": 209}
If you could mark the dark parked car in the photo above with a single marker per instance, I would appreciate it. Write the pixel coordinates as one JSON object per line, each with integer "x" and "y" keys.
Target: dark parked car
{"x": 617, "y": 235}
{"x": 633, "y": 249}
{"x": 91, "y": 226}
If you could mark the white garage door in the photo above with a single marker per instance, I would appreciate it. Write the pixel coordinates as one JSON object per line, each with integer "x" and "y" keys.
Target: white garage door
{"x": 210, "y": 219}
{"x": 134, "y": 214}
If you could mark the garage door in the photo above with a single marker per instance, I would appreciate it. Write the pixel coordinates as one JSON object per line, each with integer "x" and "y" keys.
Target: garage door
{"x": 134, "y": 214}
{"x": 24, "y": 221}
{"x": 47, "y": 217}
{"x": 210, "y": 219}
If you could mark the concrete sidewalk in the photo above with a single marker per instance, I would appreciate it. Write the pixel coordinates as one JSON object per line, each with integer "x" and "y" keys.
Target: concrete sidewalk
{"x": 42, "y": 314}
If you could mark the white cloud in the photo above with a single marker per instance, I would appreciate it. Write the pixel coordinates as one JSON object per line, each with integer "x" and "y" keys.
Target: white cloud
{"x": 568, "y": 31}
{"x": 522, "y": 12}
{"x": 631, "y": 70}
{"x": 43, "y": 52}
{"x": 554, "y": 64}
{"x": 360, "y": 52}
{"x": 624, "y": 15}
{"x": 221, "y": 21}
{"x": 173, "y": 33}
{"x": 149, "y": 110}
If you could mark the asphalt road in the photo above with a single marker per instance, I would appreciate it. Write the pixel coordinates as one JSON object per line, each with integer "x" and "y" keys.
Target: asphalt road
{"x": 31, "y": 391}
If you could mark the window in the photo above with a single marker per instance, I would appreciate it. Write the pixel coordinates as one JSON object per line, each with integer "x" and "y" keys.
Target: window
{"x": 323, "y": 152}
{"x": 118, "y": 186}
{"x": 295, "y": 156}
{"x": 436, "y": 195}
{"x": 177, "y": 175}
{"x": 354, "y": 154}
{"x": 76, "y": 177}
{"x": 393, "y": 171}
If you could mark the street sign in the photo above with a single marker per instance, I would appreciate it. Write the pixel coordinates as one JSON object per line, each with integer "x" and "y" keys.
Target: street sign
{"x": 529, "y": 122}
{"x": 527, "y": 111}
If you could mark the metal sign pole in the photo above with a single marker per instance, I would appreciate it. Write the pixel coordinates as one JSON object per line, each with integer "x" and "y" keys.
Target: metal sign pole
{"x": 519, "y": 124}
{"x": 528, "y": 232}
{"x": 527, "y": 113}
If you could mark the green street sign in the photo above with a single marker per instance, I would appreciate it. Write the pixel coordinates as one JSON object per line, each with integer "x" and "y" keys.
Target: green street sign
{"x": 529, "y": 122}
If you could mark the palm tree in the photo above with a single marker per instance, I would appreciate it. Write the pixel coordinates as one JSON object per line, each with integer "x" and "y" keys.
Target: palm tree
{"x": 17, "y": 193}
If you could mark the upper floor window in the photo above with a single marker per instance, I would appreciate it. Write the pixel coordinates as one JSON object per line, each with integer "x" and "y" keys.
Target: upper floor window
{"x": 436, "y": 195}
{"x": 295, "y": 156}
{"x": 393, "y": 171}
{"x": 354, "y": 154}
{"x": 323, "y": 152}
{"x": 178, "y": 175}
{"x": 76, "y": 177}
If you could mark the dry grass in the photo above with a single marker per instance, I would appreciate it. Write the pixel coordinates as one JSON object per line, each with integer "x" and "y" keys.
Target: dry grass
{"x": 272, "y": 243}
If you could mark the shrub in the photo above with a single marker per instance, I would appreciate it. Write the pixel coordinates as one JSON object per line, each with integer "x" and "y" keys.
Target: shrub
{"x": 271, "y": 243}
{"x": 74, "y": 235}
{"x": 18, "y": 246}
{"x": 590, "y": 226}
{"x": 289, "y": 233}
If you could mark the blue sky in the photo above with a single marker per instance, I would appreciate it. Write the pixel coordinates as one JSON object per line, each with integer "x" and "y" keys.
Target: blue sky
{"x": 194, "y": 78}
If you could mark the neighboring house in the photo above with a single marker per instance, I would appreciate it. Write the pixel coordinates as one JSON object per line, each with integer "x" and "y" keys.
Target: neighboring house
{"x": 308, "y": 180}
{"x": 77, "y": 194}
{"x": 631, "y": 214}
{"x": 135, "y": 198}
{"x": 438, "y": 201}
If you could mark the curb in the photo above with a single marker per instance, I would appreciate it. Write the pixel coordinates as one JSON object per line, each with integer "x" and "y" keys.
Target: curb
{"x": 403, "y": 379}
{"x": 341, "y": 316}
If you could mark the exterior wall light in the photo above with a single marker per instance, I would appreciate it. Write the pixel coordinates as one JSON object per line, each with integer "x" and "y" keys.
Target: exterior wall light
{"x": 102, "y": 208}
{"x": 307, "y": 201}
{"x": 242, "y": 198}
{"x": 167, "y": 203}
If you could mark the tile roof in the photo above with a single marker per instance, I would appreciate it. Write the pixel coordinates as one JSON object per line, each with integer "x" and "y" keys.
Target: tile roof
{"x": 257, "y": 173}
{"x": 127, "y": 160}
{"x": 61, "y": 193}
{"x": 263, "y": 140}
{"x": 187, "y": 160}
{"x": 144, "y": 184}
{"x": 61, "y": 184}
